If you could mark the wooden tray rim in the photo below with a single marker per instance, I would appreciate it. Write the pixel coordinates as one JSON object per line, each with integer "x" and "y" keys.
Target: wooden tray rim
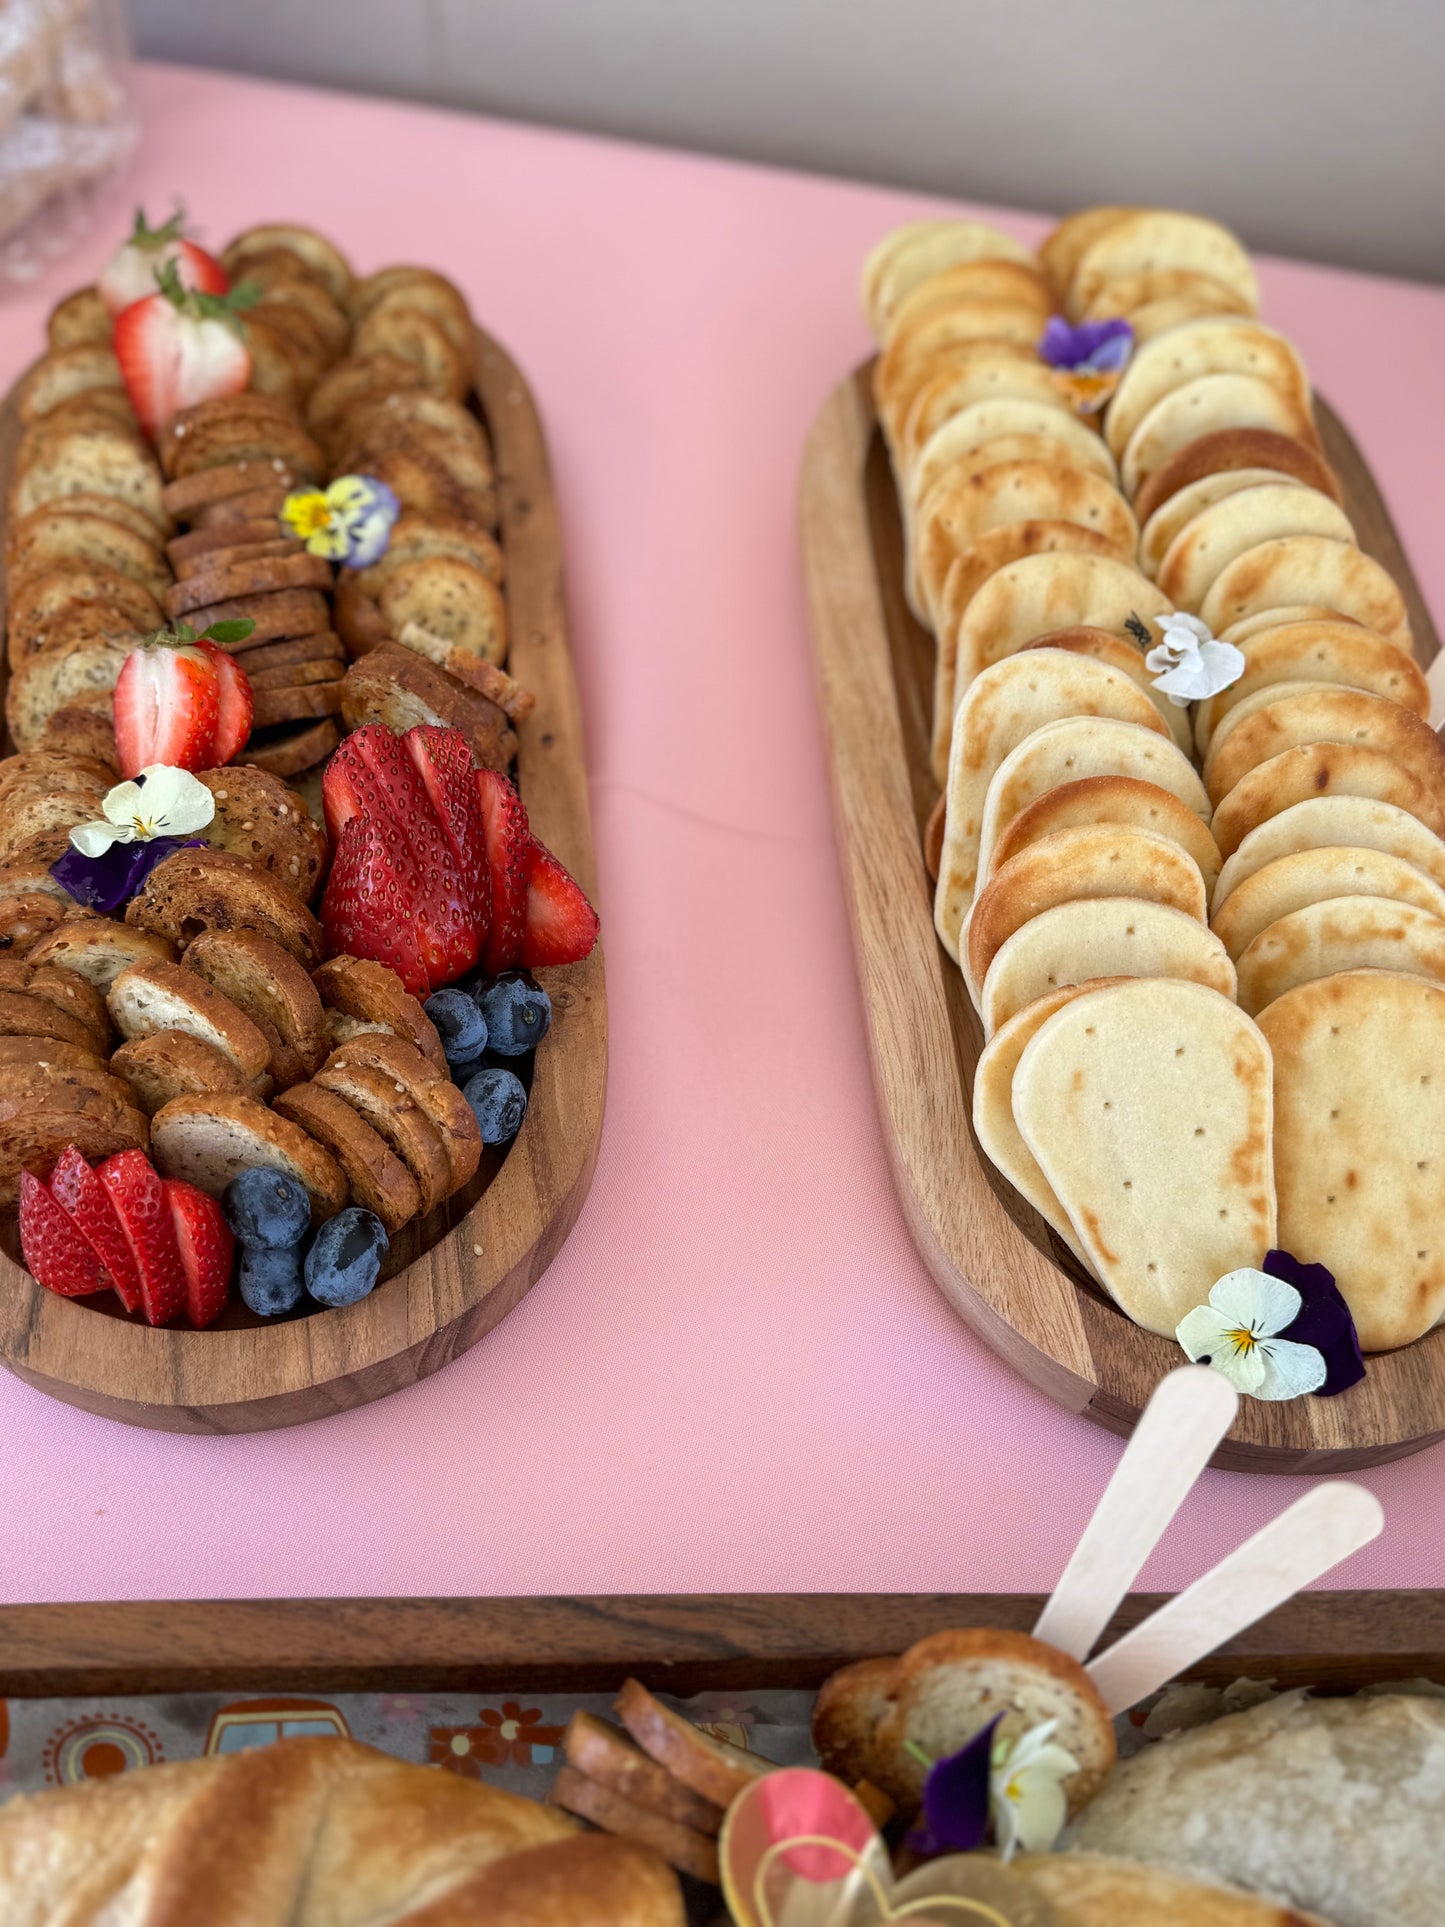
{"x": 995, "y": 1260}
{"x": 293, "y": 1371}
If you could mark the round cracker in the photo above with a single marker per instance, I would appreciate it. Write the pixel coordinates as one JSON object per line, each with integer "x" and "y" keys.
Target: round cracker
{"x": 911, "y": 358}
{"x": 1064, "y": 246}
{"x": 1326, "y": 822}
{"x": 922, "y": 249}
{"x": 1171, "y": 516}
{"x": 1205, "y": 406}
{"x": 1205, "y": 547}
{"x": 1264, "y": 620}
{"x": 1328, "y": 652}
{"x": 1294, "y": 882}
{"x": 1125, "y": 654}
{"x": 1100, "y": 937}
{"x": 1220, "y": 345}
{"x": 1309, "y": 569}
{"x": 1318, "y": 769}
{"x": 973, "y": 427}
{"x": 1133, "y": 292}
{"x": 1040, "y": 593}
{"x": 1126, "y": 802}
{"x": 1322, "y": 713}
{"x": 1013, "y": 282}
{"x": 1342, "y": 933}
{"x": 981, "y": 371}
{"x": 1154, "y": 238}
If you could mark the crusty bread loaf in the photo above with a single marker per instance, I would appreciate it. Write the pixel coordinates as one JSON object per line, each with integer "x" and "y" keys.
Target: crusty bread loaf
{"x": 268, "y": 984}
{"x": 362, "y": 1837}
{"x": 379, "y": 1180}
{"x": 176, "y": 1063}
{"x": 197, "y": 890}
{"x": 209, "y": 1139}
{"x": 847, "y": 1713}
{"x": 166, "y": 996}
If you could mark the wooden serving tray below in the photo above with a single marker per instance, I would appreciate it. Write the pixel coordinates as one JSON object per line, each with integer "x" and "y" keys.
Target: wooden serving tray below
{"x": 996, "y": 1261}
{"x": 456, "y": 1273}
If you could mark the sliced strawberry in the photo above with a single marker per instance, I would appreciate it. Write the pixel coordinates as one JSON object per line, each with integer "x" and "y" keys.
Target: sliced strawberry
{"x": 204, "y": 1241}
{"x": 561, "y": 925}
{"x": 504, "y": 821}
{"x": 130, "y": 274}
{"x": 55, "y": 1253}
{"x": 373, "y": 774}
{"x": 372, "y": 902}
{"x": 134, "y": 1188}
{"x": 167, "y": 704}
{"x": 179, "y": 347}
{"x": 76, "y": 1187}
{"x": 444, "y": 763}
{"x": 235, "y": 703}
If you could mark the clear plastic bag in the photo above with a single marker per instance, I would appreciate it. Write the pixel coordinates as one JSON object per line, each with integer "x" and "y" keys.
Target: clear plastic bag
{"x": 67, "y": 121}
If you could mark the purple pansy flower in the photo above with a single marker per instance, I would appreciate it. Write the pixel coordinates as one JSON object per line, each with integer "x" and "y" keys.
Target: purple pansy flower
{"x": 956, "y": 1798}
{"x": 1323, "y": 1320}
{"x": 1088, "y": 347}
{"x": 103, "y": 883}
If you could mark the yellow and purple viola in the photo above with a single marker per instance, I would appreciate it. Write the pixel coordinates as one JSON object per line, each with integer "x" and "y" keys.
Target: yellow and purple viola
{"x": 1087, "y": 358}
{"x": 349, "y": 521}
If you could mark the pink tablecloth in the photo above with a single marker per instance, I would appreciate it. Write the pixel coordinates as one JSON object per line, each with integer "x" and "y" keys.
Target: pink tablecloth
{"x": 737, "y": 1375}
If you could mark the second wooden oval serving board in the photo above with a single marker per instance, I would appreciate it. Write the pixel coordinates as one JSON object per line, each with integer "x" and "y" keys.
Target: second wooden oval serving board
{"x": 458, "y": 1272}
{"x": 996, "y": 1261}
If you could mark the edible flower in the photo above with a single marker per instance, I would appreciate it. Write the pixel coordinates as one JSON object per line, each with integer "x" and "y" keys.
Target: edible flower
{"x": 1087, "y": 358}
{"x": 145, "y": 821}
{"x": 1324, "y": 1321}
{"x": 348, "y": 522}
{"x": 1019, "y": 1784}
{"x": 1240, "y": 1333}
{"x": 1188, "y": 663}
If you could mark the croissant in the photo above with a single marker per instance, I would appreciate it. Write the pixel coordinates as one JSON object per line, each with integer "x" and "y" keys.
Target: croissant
{"x": 315, "y": 1833}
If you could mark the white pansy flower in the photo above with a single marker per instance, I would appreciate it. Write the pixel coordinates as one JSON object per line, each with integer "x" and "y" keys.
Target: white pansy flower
{"x": 165, "y": 802}
{"x": 1188, "y": 663}
{"x": 1026, "y": 1790}
{"x": 1237, "y": 1333}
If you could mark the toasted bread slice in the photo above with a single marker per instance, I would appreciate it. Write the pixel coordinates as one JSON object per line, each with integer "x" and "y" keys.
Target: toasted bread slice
{"x": 166, "y": 996}
{"x": 24, "y": 1051}
{"x": 209, "y": 1140}
{"x": 173, "y": 1063}
{"x": 606, "y": 1754}
{"x": 58, "y": 533}
{"x": 99, "y": 949}
{"x": 374, "y": 994}
{"x": 76, "y": 622}
{"x": 290, "y": 749}
{"x": 86, "y": 734}
{"x": 35, "y": 880}
{"x": 422, "y": 482}
{"x": 294, "y": 675}
{"x": 418, "y": 288}
{"x": 414, "y": 537}
{"x": 109, "y": 461}
{"x": 196, "y": 545}
{"x": 515, "y": 702}
{"x": 275, "y": 992}
{"x": 263, "y": 502}
{"x": 62, "y": 988}
{"x": 358, "y": 379}
{"x": 257, "y": 577}
{"x": 434, "y": 1090}
{"x": 52, "y": 585}
{"x": 34, "y": 772}
{"x": 28, "y": 919}
{"x": 357, "y": 615}
{"x": 48, "y": 1086}
{"x": 229, "y": 555}
{"x": 418, "y": 338}
{"x": 275, "y": 437}
{"x": 189, "y": 495}
{"x": 257, "y": 817}
{"x": 683, "y": 1847}
{"x": 711, "y": 1767}
{"x": 63, "y": 373}
{"x": 276, "y": 613}
{"x": 111, "y": 507}
{"x": 850, "y": 1706}
{"x": 393, "y": 686}
{"x": 451, "y": 599}
{"x": 324, "y": 647}
{"x": 81, "y": 320}
{"x": 297, "y": 704}
{"x": 34, "y": 1141}
{"x": 324, "y": 260}
{"x": 49, "y": 682}
{"x": 28, "y": 816}
{"x": 379, "y": 1181}
{"x": 397, "y": 1117}
{"x": 376, "y": 416}
{"x": 23, "y": 1014}
{"x": 197, "y": 890}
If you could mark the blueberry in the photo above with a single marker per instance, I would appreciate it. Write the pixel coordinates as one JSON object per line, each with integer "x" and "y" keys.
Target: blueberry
{"x": 345, "y": 1257}
{"x": 460, "y": 1024}
{"x": 518, "y": 1015}
{"x": 266, "y": 1208}
{"x": 499, "y": 1103}
{"x": 270, "y": 1279}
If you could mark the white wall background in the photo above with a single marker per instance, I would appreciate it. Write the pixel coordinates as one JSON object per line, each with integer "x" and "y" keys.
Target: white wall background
{"x": 1315, "y": 127}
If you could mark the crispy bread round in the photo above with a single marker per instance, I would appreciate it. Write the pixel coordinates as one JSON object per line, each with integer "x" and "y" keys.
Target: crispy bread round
{"x": 1207, "y": 545}
{"x": 148, "y": 997}
{"x": 1323, "y": 714}
{"x": 99, "y": 461}
{"x": 1106, "y": 646}
{"x": 189, "y": 494}
{"x": 375, "y": 994}
{"x": 79, "y": 320}
{"x": 193, "y": 547}
{"x": 1341, "y": 933}
{"x": 1316, "y": 770}
{"x": 1264, "y": 619}
{"x": 1098, "y": 1892}
{"x": 295, "y": 704}
{"x": 324, "y": 259}
{"x": 1222, "y": 345}
{"x": 919, "y": 250}
{"x": 230, "y": 555}
{"x": 1154, "y": 286}
{"x": 34, "y": 1140}
{"x": 276, "y": 614}
{"x": 435, "y": 298}
{"x": 63, "y": 373}
{"x": 291, "y": 750}
{"x": 1359, "y": 1124}
{"x": 360, "y": 376}
{"x": 324, "y": 647}
{"x": 1101, "y": 937}
{"x": 1041, "y": 593}
{"x": 450, "y": 599}
{"x": 28, "y": 918}
{"x": 1172, "y": 516}
{"x": 972, "y": 428}
{"x": 209, "y": 1139}
{"x": 378, "y": 1179}
{"x": 1293, "y": 882}
{"x": 173, "y": 1063}
{"x": 1152, "y": 238}
{"x": 1064, "y": 246}
{"x": 1307, "y": 569}
{"x": 1204, "y": 406}
{"x": 1014, "y": 283}
{"x": 274, "y": 991}
{"x": 1343, "y": 653}
{"x": 98, "y": 949}
{"x": 1125, "y": 802}
{"x": 257, "y": 577}
{"x": 1334, "y": 822}
{"x": 418, "y": 338}
{"x": 414, "y": 537}
{"x": 196, "y": 890}
{"x": 989, "y": 371}
{"x": 67, "y": 673}
{"x": 1233, "y": 448}
{"x": 397, "y": 1117}
{"x": 443, "y": 1103}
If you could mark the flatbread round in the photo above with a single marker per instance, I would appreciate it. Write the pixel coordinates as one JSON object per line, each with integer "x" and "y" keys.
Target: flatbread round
{"x": 1322, "y": 713}
{"x": 1325, "y": 652}
{"x": 1128, "y": 804}
{"x": 957, "y": 510}
{"x": 1207, "y": 545}
{"x": 1359, "y": 1130}
{"x": 899, "y": 389}
{"x": 990, "y": 371}
{"x": 1041, "y": 593}
{"x": 1003, "y": 709}
{"x": 974, "y": 428}
{"x": 1342, "y": 933}
{"x": 1205, "y": 406}
{"x": 1134, "y": 292}
{"x": 967, "y": 573}
{"x": 1316, "y": 770}
{"x": 1329, "y": 822}
{"x": 1105, "y": 645}
{"x": 921, "y": 249}
{"x": 1013, "y": 282}
{"x": 1264, "y": 619}
{"x": 1171, "y": 516}
{"x": 1068, "y": 751}
{"x": 1232, "y": 448}
{"x": 993, "y": 1112}
{"x": 1154, "y": 238}
{"x": 1292, "y": 883}
{"x": 1101, "y": 937}
{"x": 1148, "y": 1108}
{"x": 1064, "y": 246}
{"x": 1222, "y": 345}
{"x": 1067, "y": 865}
{"x": 1307, "y": 569}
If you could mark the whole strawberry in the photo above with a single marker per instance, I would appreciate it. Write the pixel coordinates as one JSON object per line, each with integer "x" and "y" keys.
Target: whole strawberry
{"x": 180, "y": 346}
{"x": 130, "y": 274}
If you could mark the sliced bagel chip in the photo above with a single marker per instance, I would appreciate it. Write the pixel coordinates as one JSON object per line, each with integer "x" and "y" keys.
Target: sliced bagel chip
{"x": 1357, "y": 1060}
{"x": 1004, "y": 708}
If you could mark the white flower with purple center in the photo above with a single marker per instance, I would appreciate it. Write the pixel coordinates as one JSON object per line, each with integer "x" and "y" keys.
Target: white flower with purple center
{"x": 1238, "y": 1334}
{"x": 1188, "y": 664}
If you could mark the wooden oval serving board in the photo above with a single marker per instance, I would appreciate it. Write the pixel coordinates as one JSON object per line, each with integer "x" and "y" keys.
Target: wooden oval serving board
{"x": 456, "y": 1273}
{"x": 995, "y": 1260}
